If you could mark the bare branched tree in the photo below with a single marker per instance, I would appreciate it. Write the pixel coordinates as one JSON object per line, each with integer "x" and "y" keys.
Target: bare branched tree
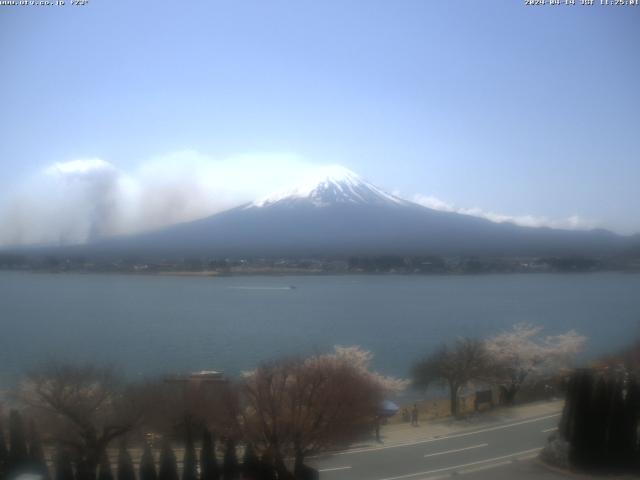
{"x": 82, "y": 407}
{"x": 176, "y": 408}
{"x": 453, "y": 366}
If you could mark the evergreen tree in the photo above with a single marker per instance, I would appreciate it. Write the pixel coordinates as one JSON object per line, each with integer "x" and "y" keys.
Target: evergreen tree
{"x": 266, "y": 468}
{"x": 104, "y": 469}
{"x": 230, "y": 467}
{"x": 208, "y": 463}
{"x": 4, "y": 453}
{"x": 580, "y": 439}
{"x": 632, "y": 434}
{"x": 189, "y": 461}
{"x": 38, "y": 464}
{"x": 18, "y": 452}
{"x": 566, "y": 424}
{"x": 168, "y": 467}
{"x": 617, "y": 449}
{"x": 62, "y": 465}
{"x": 597, "y": 425}
{"x": 125, "y": 465}
{"x": 83, "y": 470}
{"x": 600, "y": 421}
{"x": 147, "y": 465}
{"x": 250, "y": 464}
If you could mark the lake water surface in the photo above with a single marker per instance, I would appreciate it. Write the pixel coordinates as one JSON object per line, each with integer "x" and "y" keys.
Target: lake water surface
{"x": 147, "y": 324}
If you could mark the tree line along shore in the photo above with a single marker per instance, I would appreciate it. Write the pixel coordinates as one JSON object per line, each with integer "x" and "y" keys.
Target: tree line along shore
{"x": 84, "y": 422}
{"x": 206, "y": 266}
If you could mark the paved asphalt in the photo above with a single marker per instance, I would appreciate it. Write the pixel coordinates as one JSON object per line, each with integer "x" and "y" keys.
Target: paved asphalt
{"x": 490, "y": 452}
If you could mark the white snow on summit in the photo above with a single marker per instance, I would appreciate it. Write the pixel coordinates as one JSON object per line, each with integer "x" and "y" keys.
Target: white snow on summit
{"x": 330, "y": 185}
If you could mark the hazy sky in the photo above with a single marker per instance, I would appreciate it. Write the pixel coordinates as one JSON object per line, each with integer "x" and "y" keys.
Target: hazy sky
{"x": 172, "y": 110}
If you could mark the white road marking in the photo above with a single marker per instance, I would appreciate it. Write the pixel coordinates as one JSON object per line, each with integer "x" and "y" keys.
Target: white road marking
{"x": 480, "y": 468}
{"x": 549, "y": 429}
{"x": 529, "y": 456}
{"x": 483, "y": 467}
{"x": 456, "y": 450}
{"x": 454, "y": 467}
{"x": 437, "y": 477}
{"x": 333, "y": 469}
{"x": 260, "y": 288}
{"x": 429, "y": 440}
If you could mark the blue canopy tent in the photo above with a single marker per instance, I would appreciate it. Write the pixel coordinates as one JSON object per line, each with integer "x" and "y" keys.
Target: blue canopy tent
{"x": 388, "y": 409}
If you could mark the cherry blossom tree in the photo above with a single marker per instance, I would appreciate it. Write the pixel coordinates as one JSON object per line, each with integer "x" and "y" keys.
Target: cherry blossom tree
{"x": 522, "y": 352}
{"x": 294, "y": 407}
{"x": 360, "y": 360}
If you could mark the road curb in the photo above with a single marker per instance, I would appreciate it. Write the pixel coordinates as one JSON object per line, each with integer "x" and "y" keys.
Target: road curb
{"x": 467, "y": 431}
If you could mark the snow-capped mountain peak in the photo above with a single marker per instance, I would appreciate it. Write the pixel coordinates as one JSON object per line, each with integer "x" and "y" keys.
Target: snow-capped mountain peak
{"x": 330, "y": 185}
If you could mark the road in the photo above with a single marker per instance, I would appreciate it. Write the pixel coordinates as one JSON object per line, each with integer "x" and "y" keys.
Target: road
{"x": 463, "y": 453}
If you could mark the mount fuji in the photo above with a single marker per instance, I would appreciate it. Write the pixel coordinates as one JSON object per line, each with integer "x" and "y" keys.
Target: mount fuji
{"x": 337, "y": 213}
{"x": 331, "y": 185}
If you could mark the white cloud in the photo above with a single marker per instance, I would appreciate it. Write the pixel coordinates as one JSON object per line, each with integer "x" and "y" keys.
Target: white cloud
{"x": 87, "y": 198}
{"x": 74, "y": 201}
{"x": 573, "y": 222}
{"x": 80, "y": 167}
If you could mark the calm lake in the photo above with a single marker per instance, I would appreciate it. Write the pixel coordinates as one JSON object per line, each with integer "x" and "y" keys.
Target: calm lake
{"x": 147, "y": 324}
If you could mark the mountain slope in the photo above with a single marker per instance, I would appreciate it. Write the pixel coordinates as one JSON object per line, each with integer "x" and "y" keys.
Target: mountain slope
{"x": 332, "y": 185}
{"x": 339, "y": 214}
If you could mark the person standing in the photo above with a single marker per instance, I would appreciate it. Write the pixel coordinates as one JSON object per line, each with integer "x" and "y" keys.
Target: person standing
{"x": 414, "y": 415}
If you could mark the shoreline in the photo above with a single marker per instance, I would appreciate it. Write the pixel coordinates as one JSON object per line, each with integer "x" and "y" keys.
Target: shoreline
{"x": 307, "y": 273}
